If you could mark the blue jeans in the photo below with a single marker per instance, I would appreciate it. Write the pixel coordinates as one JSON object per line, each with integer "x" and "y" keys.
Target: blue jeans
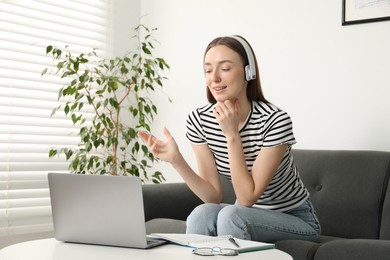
{"x": 255, "y": 223}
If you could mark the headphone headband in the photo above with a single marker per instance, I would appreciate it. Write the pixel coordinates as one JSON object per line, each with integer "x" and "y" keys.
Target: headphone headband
{"x": 250, "y": 69}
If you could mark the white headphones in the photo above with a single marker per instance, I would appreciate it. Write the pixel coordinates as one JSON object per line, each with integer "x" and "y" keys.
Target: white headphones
{"x": 250, "y": 69}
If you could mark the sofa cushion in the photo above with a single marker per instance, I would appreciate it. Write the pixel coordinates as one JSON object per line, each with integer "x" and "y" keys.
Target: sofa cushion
{"x": 352, "y": 249}
{"x": 298, "y": 249}
{"x": 168, "y": 200}
{"x": 165, "y": 225}
{"x": 347, "y": 189}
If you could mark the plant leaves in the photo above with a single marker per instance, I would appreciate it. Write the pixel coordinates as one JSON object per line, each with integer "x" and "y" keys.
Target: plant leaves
{"x": 93, "y": 99}
{"x": 49, "y": 49}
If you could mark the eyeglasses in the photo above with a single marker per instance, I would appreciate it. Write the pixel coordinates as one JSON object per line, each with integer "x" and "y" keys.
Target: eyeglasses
{"x": 210, "y": 251}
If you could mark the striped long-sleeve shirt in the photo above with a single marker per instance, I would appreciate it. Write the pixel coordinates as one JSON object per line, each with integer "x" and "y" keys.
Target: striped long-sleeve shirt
{"x": 266, "y": 126}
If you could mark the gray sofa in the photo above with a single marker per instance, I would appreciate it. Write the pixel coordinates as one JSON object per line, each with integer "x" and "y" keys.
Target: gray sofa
{"x": 349, "y": 190}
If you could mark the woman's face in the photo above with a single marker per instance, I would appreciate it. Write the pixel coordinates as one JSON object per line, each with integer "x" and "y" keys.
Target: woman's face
{"x": 224, "y": 72}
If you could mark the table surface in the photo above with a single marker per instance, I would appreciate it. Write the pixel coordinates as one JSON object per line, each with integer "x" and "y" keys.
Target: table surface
{"x": 51, "y": 249}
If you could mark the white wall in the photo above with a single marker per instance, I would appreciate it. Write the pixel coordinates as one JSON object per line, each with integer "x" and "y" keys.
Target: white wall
{"x": 333, "y": 80}
{"x": 126, "y": 15}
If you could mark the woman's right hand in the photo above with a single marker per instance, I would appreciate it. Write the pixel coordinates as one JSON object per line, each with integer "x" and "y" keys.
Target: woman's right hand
{"x": 206, "y": 186}
{"x": 165, "y": 150}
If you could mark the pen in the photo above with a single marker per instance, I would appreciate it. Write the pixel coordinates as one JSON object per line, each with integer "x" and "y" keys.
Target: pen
{"x": 233, "y": 241}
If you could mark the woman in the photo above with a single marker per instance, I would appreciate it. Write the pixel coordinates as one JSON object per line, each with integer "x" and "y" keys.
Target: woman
{"x": 241, "y": 135}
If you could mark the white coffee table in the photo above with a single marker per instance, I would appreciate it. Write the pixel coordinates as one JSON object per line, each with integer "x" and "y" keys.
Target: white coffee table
{"x": 51, "y": 249}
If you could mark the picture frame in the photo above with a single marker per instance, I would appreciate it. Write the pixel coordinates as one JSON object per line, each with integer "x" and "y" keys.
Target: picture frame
{"x": 365, "y": 11}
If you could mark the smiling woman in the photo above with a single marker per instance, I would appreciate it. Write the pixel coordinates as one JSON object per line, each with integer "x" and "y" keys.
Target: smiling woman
{"x": 231, "y": 70}
{"x": 27, "y": 131}
{"x": 242, "y": 136}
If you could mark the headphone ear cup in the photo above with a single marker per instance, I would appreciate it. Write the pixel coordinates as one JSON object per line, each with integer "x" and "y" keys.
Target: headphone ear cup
{"x": 248, "y": 73}
{"x": 250, "y": 69}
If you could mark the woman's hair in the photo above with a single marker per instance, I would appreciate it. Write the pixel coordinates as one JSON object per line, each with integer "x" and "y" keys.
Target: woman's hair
{"x": 253, "y": 91}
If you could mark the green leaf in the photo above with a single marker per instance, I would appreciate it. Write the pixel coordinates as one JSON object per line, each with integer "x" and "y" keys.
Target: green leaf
{"x": 114, "y": 103}
{"x": 124, "y": 70}
{"x": 66, "y": 109}
{"x": 83, "y": 132}
{"x": 69, "y": 154}
{"x": 90, "y": 163}
{"x": 58, "y": 52}
{"x": 135, "y": 112}
{"x": 109, "y": 159}
{"x": 76, "y": 66}
{"x": 132, "y": 133}
{"x": 74, "y": 118}
{"x": 146, "y": 50}
{"x": 74, "y": 106}
{"x": 158, "y": 177}
{"x": 90, "y": 100}
{"x": 145, "y": 149}
{"x": 44, "y": 71}
{"x": 84, "y": 60}
{"x": 96, "y": 143}
{"x": 54, "y": 111}
{"x": 136, "y": 146}
{"x": 88, "y": 146}
{"x": 49, "y": 49}
{"x": 154, "y": 109}
{"x": 159, "y": 82}
{"x": 52, "y": 153}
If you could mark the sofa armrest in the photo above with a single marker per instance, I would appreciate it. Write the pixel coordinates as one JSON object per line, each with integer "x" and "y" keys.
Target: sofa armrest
{"x": 168, "y": 200}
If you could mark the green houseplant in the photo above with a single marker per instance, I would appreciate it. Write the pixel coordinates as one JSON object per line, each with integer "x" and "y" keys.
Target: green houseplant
{"x": 116, "y": 93}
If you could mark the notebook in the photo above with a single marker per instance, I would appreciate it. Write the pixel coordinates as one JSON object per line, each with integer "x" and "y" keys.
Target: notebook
{"x": 198, "y": 241}
{"x": 99, "y": 209}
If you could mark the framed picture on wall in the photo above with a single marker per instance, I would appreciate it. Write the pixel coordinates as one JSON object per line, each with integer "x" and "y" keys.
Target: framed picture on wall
{"x": 365, "y": 11}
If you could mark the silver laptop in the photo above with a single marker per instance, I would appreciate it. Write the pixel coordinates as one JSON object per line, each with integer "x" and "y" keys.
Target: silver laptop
{"x": 97, "y": 209}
